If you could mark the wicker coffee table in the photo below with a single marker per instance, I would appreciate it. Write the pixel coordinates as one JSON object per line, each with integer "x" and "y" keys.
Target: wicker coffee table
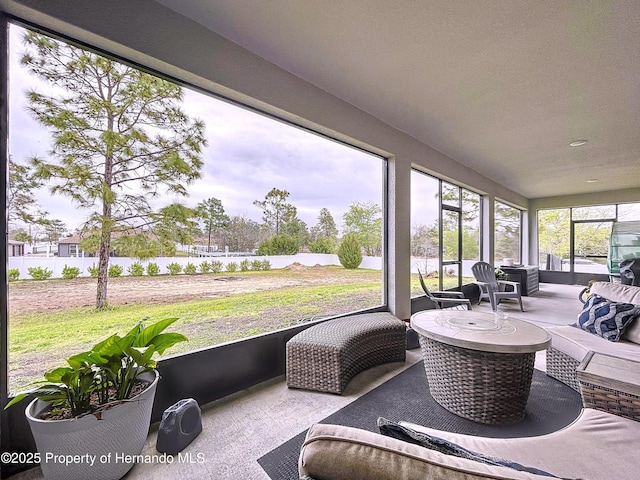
{"x": 476, "y": 367}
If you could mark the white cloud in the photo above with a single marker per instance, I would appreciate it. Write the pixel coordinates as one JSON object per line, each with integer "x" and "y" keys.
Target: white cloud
{"x": 247, "y": 155}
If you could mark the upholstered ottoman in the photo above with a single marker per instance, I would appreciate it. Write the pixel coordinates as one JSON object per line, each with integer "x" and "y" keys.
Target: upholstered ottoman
{"x": 325, "y": 357}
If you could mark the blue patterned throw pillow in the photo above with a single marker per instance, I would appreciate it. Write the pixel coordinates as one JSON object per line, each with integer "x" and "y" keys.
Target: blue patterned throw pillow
{"x": 605, "y": 318}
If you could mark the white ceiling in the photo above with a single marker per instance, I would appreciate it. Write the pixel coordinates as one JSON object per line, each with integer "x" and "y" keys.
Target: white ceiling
{"x": 502, "y": 86}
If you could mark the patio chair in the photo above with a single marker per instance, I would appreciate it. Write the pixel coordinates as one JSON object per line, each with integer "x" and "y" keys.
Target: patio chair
{"x": 489, "y": 285}
{"x": 442, "y": 300}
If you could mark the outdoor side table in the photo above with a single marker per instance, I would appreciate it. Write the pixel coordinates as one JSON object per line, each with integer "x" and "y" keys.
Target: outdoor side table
{"x": 477, "y": 367}
{"x": 610, "y": 384}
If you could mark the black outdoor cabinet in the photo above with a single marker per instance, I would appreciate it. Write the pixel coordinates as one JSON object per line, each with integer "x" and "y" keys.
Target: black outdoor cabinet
{"x": 526, "y": 276}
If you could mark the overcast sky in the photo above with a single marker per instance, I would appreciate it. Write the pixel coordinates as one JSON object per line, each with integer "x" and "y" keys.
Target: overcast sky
{"x": 247, "y": 155}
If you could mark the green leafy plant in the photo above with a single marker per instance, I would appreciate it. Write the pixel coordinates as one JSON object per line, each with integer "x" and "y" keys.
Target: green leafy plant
{"x": 190, "y": 269}
{"x": 153, "y": 269}
{"x": 174, "y": 268}
{"x": 244, "y": 265}
{"x": 14, "y": 274}
{"x": 205, "y": 267}
{"x": 232, "y": 267}
{"x": 266, "y": 265}
{"x": 500, "y": 275}
{"x": 115, "y": 271}
{"x": 39, "y": 273}
{"x": 216, "y": 266}
{"x": 93, "y": 271}
{"x": 106, "y": 374}
{"x": 323, "y": 245}
{"x": 349, "y": 251}
{"x": 70, "y": 272}
{"x": 136, "y": 269}
{"x": 279, "y": 245}
{"x": 256, "y": 265}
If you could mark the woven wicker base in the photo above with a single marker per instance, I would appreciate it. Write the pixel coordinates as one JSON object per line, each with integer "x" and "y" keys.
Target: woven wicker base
{"x": 562, "y": 367}
{"x": 325, "y": 357}
{"x": 484, "y": 387}
{"x": 611, "y": 401}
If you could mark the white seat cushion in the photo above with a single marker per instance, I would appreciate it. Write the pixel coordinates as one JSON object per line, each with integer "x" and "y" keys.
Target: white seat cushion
{"x": 617, "y": 292}
{"x": 576, "y": 343}
{"x": 597, "y": 445}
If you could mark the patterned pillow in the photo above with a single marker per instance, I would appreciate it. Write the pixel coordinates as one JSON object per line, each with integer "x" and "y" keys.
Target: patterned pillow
{"x": 605, "y": 318}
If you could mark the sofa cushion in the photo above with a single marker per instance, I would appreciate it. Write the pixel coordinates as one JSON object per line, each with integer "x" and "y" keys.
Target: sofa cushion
{"x": 616, "y": 292}
{"x": 404, "y": 433}
{"x": 336, "y": 452}
{"x": 606, "y": 318}
{"x": 632, "y": 332}
{"x": 577, "y": 343}
{"x": 591, "y": 447}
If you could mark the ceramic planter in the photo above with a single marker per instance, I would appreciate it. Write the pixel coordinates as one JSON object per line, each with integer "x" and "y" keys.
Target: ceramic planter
{"x": 91, "y": 448}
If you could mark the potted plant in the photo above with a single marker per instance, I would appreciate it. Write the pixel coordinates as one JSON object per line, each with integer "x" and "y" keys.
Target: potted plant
{"x": 91, "y": 418}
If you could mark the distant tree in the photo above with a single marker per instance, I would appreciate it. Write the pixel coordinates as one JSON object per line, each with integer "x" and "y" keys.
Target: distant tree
{"x": 424, "y": 241}
{"x": 241, "y": 234}
{"x": 554, "y": 231}
{"x": 21, "y": 201}
{"x": 175, "y": 222}
{"x": 507, "y": 232}
{"x": 275, "y": 210}
{"x": 323, "y": 245}
{"x": 364, "y": 220}
{"x": 326, "y": 226}
{"x": 349, "y": 251}
{"x": 297, "y": 229}
{"x": 211, "y": 213}
{"x": 20, "y": 235}
{"x": 279, "y": 245}
{"x": 324, "y": 235}
{"x": 54, "y": 229}
{"x": 119, "y": 137}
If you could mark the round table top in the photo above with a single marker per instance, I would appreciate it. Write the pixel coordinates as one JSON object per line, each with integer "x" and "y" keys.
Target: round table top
{"x": 480, "y": 331}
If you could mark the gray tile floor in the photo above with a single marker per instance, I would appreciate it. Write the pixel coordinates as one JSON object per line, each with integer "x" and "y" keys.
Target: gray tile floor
{"x": 240, "y": 428}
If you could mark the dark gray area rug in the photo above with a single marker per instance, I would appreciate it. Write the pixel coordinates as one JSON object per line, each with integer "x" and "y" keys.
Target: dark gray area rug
{"x": 552, "y": 406}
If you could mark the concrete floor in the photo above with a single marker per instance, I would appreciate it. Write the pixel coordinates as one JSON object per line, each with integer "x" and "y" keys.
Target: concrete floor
{"x": 240, "y": 428}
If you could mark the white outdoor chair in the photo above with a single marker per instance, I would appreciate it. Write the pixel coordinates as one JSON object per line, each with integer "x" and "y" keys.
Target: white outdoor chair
{"x": 490, "y": 286}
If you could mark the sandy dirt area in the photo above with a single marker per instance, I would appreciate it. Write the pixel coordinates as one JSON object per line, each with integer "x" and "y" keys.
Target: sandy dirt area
{"x": 53, "y": 295}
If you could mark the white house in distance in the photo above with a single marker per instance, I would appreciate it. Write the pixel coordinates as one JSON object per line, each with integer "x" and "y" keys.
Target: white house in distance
{"x": 15, "y": 248}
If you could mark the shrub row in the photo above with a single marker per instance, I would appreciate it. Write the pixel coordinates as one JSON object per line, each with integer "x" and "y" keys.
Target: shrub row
{"x": 137, "y": 269}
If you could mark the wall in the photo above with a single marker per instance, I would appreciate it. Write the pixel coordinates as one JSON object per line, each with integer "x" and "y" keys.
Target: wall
{"x": 56, "y": 264}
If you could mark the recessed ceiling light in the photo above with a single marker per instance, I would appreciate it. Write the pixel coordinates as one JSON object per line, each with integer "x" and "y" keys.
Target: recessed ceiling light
{"x": 577, "y": 143}
{"x": 592, "y": 180}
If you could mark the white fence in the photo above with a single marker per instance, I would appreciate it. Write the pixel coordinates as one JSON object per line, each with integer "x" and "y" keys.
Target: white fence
{"x": 56, "y": 264}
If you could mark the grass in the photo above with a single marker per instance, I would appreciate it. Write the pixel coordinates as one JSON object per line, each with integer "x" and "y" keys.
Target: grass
{"x": 41, "y": 341}
{"x": 38, "y": 342}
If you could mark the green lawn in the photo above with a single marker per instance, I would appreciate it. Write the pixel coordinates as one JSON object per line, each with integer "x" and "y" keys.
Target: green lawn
{"x": 38, "y": 342}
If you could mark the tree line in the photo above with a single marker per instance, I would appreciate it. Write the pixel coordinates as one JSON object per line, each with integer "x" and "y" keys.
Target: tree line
{"x": 120, "y": 139}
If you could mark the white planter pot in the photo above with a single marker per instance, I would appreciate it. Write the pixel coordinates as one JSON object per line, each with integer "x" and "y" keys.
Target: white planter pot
{"x": 87, "y": 448}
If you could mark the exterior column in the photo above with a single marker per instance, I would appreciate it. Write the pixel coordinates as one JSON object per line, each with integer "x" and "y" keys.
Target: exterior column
{"x": 398, "y": 232}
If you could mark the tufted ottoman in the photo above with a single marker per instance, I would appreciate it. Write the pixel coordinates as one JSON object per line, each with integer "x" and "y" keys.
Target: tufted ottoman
{"x": 327, "y": 356}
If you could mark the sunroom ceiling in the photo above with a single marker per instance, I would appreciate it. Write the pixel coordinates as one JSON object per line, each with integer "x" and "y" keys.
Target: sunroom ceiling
{"x": 501, "y": 86}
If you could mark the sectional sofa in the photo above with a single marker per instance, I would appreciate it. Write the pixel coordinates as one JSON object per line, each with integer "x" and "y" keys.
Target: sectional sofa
{"x": 570, "y": 345}
{"x": 597, "y": 445}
